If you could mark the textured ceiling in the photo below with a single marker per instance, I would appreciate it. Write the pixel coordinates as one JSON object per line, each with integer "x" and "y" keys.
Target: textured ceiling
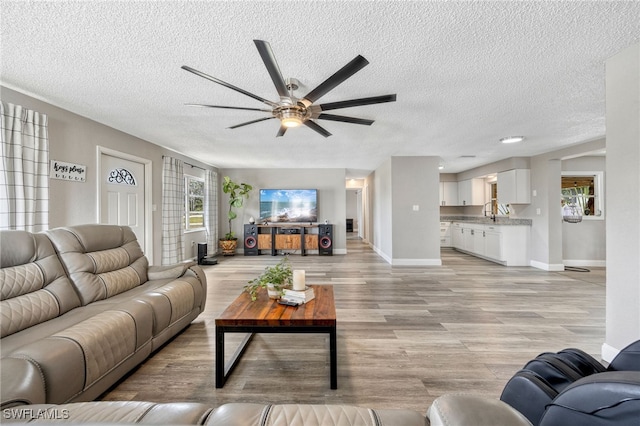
{"x": 465, "y": 73}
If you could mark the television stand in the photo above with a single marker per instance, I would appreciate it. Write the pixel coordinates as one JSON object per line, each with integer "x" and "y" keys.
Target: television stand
{"x": 291, "y": 237}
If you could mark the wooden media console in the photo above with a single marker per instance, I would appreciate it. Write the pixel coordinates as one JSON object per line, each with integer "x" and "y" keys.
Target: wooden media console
{"x": 274, "y": 237}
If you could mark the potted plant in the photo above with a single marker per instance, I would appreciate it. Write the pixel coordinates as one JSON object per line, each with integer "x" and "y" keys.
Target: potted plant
{"x": 274, "y": 278}
{"x": 237, "y": 194}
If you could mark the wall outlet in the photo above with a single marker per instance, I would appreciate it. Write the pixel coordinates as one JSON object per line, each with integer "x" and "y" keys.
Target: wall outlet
{"x": 538, "y": 212}
{"x": 416, "y": 207}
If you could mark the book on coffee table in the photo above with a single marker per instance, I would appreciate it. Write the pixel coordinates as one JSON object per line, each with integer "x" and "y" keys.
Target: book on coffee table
{"x": 301, "y": 296}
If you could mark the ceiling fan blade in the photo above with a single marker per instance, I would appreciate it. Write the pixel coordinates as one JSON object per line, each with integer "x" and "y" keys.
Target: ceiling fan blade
{"x": 282, "y": 130}
{"x": 264, "y": 48}
{"x": 341, "y": 75}
{"x": 228, "y": 107}
{"x": 358, "y": 102}
{"x": 315, "y": 126}
{"x": 230, "y": 86}
{"x": 344, "y": 119}
{"x": 250, "y": 122}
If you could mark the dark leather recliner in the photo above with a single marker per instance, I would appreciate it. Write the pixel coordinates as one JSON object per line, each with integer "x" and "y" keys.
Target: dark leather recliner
{"x": 611, "y": 398}
{"x": 542, "y": 380}
{"x": 555, "y": 389}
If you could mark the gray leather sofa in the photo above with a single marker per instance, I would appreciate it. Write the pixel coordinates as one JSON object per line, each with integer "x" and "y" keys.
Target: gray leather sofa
{"x": 80, "y": 307}
{"x": 234, "y": 414}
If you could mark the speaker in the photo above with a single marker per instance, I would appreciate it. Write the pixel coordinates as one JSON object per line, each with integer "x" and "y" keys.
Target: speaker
{"x": 325, "y": 240}
{"x": 251, "y": 240}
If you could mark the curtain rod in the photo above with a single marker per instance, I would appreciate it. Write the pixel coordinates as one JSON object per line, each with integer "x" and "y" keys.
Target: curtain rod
{"x": 197, "y": 167}
{"x": 189, "y": 164}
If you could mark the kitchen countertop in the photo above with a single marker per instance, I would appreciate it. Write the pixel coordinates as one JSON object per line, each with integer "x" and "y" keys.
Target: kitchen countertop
{"x": 485, "y": 220}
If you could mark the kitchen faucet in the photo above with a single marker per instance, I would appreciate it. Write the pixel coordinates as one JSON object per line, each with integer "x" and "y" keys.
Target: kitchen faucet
{"x": 484, "y": 210}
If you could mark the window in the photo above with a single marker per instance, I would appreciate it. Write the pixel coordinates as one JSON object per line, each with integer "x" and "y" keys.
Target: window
{"x": 497, "y": 209}
{"x": 584, "y": 191}
{"x": 194, "y": 203}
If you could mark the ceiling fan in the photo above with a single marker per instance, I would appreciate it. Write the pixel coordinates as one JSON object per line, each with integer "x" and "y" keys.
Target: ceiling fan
{"x": 291, "y": 111}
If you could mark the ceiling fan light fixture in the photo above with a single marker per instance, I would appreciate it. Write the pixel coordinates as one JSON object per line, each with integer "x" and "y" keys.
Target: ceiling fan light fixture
{"x": 512, "y": 139}
{"x": 291, "y": 118}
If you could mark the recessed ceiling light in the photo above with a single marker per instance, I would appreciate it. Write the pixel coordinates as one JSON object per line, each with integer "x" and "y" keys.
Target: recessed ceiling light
{"x": 512, "y": 139}
{"x": 440, "y": 167}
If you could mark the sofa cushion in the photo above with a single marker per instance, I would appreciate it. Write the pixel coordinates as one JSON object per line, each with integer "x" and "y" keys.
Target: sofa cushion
{"x": 33, "y": 284}
{"x": 101, "y": 260}
{"x": 74, "y": 358}
{"x": 111, "y": 412}
{"x": 247, "y": 414}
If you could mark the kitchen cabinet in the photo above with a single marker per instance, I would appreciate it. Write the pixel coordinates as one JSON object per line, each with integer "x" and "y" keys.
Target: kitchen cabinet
{"x": 469, "y": 242}
{"x": 514, "y": 187}
{"x": 493, "y": 243}
{"x": 457, "y": 236}
{"x": 448, "y": 193}
{"x": 504, "y": 244}
{"x": 471, "y": 192}
{"x": 445, "y": 234}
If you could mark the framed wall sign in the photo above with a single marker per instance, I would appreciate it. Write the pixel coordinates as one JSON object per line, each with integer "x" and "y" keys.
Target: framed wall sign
{"x": 67, "y": 171}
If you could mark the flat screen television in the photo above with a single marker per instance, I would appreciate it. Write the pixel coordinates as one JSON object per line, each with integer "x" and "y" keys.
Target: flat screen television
{"x": 289, "y": 205}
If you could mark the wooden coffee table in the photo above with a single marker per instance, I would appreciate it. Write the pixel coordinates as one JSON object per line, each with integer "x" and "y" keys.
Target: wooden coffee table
{"x": 268, "y": 316}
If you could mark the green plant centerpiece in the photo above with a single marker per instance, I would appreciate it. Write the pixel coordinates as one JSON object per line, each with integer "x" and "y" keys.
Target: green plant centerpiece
{"x": 274, "y": 278}
{"x": 237, "y": 193}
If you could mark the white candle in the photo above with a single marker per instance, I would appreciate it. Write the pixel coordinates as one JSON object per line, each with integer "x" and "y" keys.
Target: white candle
{"x": 298, "y": 280}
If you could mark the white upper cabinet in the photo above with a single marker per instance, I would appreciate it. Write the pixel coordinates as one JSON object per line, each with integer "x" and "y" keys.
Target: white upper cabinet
{"x": 471, "y": 192}
{"x": 448, "y": 193}
{"x": 514, "y": 187}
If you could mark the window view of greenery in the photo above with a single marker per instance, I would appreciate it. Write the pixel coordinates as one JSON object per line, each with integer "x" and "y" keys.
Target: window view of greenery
{"x": 579, "y": 191}
{"x": 194, "y": 203}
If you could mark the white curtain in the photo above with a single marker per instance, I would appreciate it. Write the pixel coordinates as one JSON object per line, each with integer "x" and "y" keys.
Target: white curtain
{"x": 211, "y": 210}
{"x": 24, "y": 169}
{"x": 172, "y": 210}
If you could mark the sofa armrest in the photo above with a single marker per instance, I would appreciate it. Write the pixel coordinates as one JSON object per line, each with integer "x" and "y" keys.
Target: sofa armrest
{"x": 22, "y": 383}
{"x": 463, "y": 410}
{"x": 169, "y": 271}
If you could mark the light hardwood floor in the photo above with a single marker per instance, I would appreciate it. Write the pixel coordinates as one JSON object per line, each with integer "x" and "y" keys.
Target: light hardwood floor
{"x": 406, "y": 335}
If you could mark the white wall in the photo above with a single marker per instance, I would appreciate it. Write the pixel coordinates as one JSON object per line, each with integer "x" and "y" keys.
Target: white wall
{"x": 330, "y": 184}
{"x": 623, "y": 200}
{"x": 415, "y": 210}
{"x": 546, "y": 228}
{"x": 381, "y": 231}
{"x": 74, "y": 139}
{"x": 584, "y": 243}
{"x": 402, "y": 235}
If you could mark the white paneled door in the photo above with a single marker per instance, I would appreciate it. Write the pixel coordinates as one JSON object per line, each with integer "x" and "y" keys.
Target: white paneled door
{"x": 122, "y": 192}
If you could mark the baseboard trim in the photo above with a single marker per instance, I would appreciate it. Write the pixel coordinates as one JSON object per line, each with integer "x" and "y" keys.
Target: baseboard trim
{"x": 582, "y": 263}
{"x": 551, "y": 267}
{"x": 416, "y": 262}
{"x": 381, "y": 254}
{"x": 609, "y": 352}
